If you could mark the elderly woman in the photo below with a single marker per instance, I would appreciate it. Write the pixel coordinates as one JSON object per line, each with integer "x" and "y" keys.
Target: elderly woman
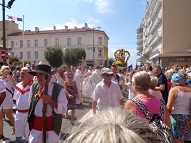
{"x": 112, "y": 125}
{"x": 141, "y": 83}
{"x": 7, "y": 105}
{"x": 179, "y": 106}
{"x": 152, "y": 90}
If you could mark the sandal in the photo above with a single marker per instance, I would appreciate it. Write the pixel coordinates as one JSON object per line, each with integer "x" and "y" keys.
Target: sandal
{"x": 1, "y": 137}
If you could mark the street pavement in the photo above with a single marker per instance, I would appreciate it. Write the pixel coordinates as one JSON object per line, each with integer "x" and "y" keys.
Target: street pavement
{"x": 81, "y": 110}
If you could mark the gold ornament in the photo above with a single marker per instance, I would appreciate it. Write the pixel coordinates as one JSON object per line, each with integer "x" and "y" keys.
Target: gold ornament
{"x": 121, "y": 57}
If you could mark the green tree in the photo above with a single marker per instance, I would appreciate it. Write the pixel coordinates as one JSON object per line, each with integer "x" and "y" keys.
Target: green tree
{"x": 54, "y": 56}
{"x": 72, "y": 56}
{"x": 14, "y": 59}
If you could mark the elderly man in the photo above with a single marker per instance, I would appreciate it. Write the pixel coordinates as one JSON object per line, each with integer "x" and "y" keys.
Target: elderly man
{"x": 107, "y": 93}
{"x": 48, "y": 103}
{"x": 21, "y": 95}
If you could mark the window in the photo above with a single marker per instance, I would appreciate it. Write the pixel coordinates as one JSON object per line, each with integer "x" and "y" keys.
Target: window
{"x": 56, "y": 41}
{"x": 79, "y": 41}
{"x": 12, "y": 54}
{"x": 99, "y": 53}
{"x": 45, "y": 43}
{"x": 36, "y": 55}
{"x": 12, "y": 44}
{"x": 21, "y": 55}
{"x": 68, "y": 41}
{"x": 28, "y": 55}
{"x": 100, "y": 41}
{"x": 28, "y": 43}
{"x": 21, "y": 43}
{"x": 36, "y": 43}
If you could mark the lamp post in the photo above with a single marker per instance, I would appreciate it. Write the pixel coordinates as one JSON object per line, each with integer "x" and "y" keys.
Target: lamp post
{"x": 4, "y": 32}
{"x": 94, "y": 28}
{"x": 4, "y": 28}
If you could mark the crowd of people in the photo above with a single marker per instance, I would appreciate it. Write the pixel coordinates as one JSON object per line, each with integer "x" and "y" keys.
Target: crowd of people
{"x": 41, "y": 93}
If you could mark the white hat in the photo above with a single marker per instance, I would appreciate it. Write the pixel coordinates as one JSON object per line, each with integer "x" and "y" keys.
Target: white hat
{"x": 106, "y": 70}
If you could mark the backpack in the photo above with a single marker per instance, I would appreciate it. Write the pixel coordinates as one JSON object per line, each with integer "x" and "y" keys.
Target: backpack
{"x": 156, "y": 122}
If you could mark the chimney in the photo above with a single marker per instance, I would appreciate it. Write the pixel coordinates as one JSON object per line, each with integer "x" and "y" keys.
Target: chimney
{"x": 36, "y": 29}
{"x": 86, "y": 25}
{"x": 66, "y": 27}
{"x": 54, "y": 27}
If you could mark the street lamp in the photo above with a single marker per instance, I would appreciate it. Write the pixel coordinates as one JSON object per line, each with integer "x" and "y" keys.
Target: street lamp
{"x": 4, "y": 28}
{"x": 94, "y": 28}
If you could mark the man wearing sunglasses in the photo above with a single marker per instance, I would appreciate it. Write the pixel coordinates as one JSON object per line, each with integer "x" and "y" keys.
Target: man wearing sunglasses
{"x": 107, "y": 92}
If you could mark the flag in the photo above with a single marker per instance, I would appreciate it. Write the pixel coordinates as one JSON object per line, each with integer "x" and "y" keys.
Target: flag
{"x": 14, "y": 18}
{"x": 130, "y": 66}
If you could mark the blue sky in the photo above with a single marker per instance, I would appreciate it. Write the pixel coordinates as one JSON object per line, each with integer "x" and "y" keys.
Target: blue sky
{"x": 118, "y": 18}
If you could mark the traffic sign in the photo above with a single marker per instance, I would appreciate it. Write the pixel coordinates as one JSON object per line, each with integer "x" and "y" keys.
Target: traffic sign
{"x": 3, "y": 55}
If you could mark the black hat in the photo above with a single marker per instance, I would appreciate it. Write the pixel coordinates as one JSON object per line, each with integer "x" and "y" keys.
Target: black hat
{"x": 42, "y": 68}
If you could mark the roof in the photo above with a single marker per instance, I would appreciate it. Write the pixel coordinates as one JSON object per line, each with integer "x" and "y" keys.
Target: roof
{"x": 29, "y": 32}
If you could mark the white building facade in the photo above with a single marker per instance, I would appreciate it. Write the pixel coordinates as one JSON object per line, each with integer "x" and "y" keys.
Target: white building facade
{"x": 163, "y": 37}
{"x": 31, "y": 45}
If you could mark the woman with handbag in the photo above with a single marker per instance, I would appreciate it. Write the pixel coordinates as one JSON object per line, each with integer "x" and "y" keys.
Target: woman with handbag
{"x": 179, "y": 104}
{"x": 144, "y": 102}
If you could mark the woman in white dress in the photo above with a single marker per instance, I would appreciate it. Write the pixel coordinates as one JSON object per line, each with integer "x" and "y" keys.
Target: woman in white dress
{"x": 88, "y": 87}
{"x": 7, "y": 105}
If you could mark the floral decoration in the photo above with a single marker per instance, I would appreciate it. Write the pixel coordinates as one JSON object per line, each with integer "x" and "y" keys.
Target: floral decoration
{"x": 121, "y": 57}
{"x": 38, "y": 95}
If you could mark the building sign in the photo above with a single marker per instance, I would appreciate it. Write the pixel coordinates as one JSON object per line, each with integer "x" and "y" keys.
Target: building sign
{"x": 183, "y": 59}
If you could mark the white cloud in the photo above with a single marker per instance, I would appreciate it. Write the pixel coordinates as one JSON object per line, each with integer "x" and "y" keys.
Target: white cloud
{"x": 73, "y": 23}
{"x": 103, "y": 6}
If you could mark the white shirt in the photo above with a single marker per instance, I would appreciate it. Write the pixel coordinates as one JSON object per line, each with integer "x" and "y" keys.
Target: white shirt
{"x": 36, "y": 136}
{"x": 95, "y": 77}
{"x": 107, "y": 96}
{"x": 8, "y": 85}
{"x": 21, "y": 95}
{"x": 120, "y": 80}
{"x": 2, "y": 86}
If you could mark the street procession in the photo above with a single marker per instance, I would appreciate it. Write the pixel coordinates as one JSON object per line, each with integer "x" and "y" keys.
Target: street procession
{"x": 77, "y": 82}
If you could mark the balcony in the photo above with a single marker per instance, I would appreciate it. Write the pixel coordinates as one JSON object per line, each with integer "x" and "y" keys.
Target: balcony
{"x": 140, "y": 35}
{"x": 139, "y": 53}
{"x": 140, "y": 48}
{"x": 147, "y": 50}
{"x": 140, "y": 42}
{"x": 155, "y": 38}
{"x": 156, "y": 22}
{"x": 156, "y": 6}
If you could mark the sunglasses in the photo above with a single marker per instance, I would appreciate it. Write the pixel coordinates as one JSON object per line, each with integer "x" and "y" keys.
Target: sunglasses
{"x": 108, "y": 75}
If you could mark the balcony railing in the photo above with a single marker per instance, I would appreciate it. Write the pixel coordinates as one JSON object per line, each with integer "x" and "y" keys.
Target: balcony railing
{"x": 155, "y": 37}
{"x": 156, "y": 22}
{"x": 140, "y": 47}
{"x": 156, "y": 4}
{"x": 139, "y": 42}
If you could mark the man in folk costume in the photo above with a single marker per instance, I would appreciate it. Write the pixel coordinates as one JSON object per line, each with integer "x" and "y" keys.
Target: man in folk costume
{"x": 21, "y": 95}
{"x": 55, "y": 101}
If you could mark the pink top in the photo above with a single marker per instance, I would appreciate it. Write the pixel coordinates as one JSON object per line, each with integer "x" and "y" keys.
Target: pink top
{"x": 156, "y": 93}
{"x": 152, "y": 104}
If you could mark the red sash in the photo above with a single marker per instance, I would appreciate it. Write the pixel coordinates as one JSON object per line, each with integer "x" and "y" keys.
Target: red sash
{"x": 23, "y": 111}
{"x": 38, "y": 121}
